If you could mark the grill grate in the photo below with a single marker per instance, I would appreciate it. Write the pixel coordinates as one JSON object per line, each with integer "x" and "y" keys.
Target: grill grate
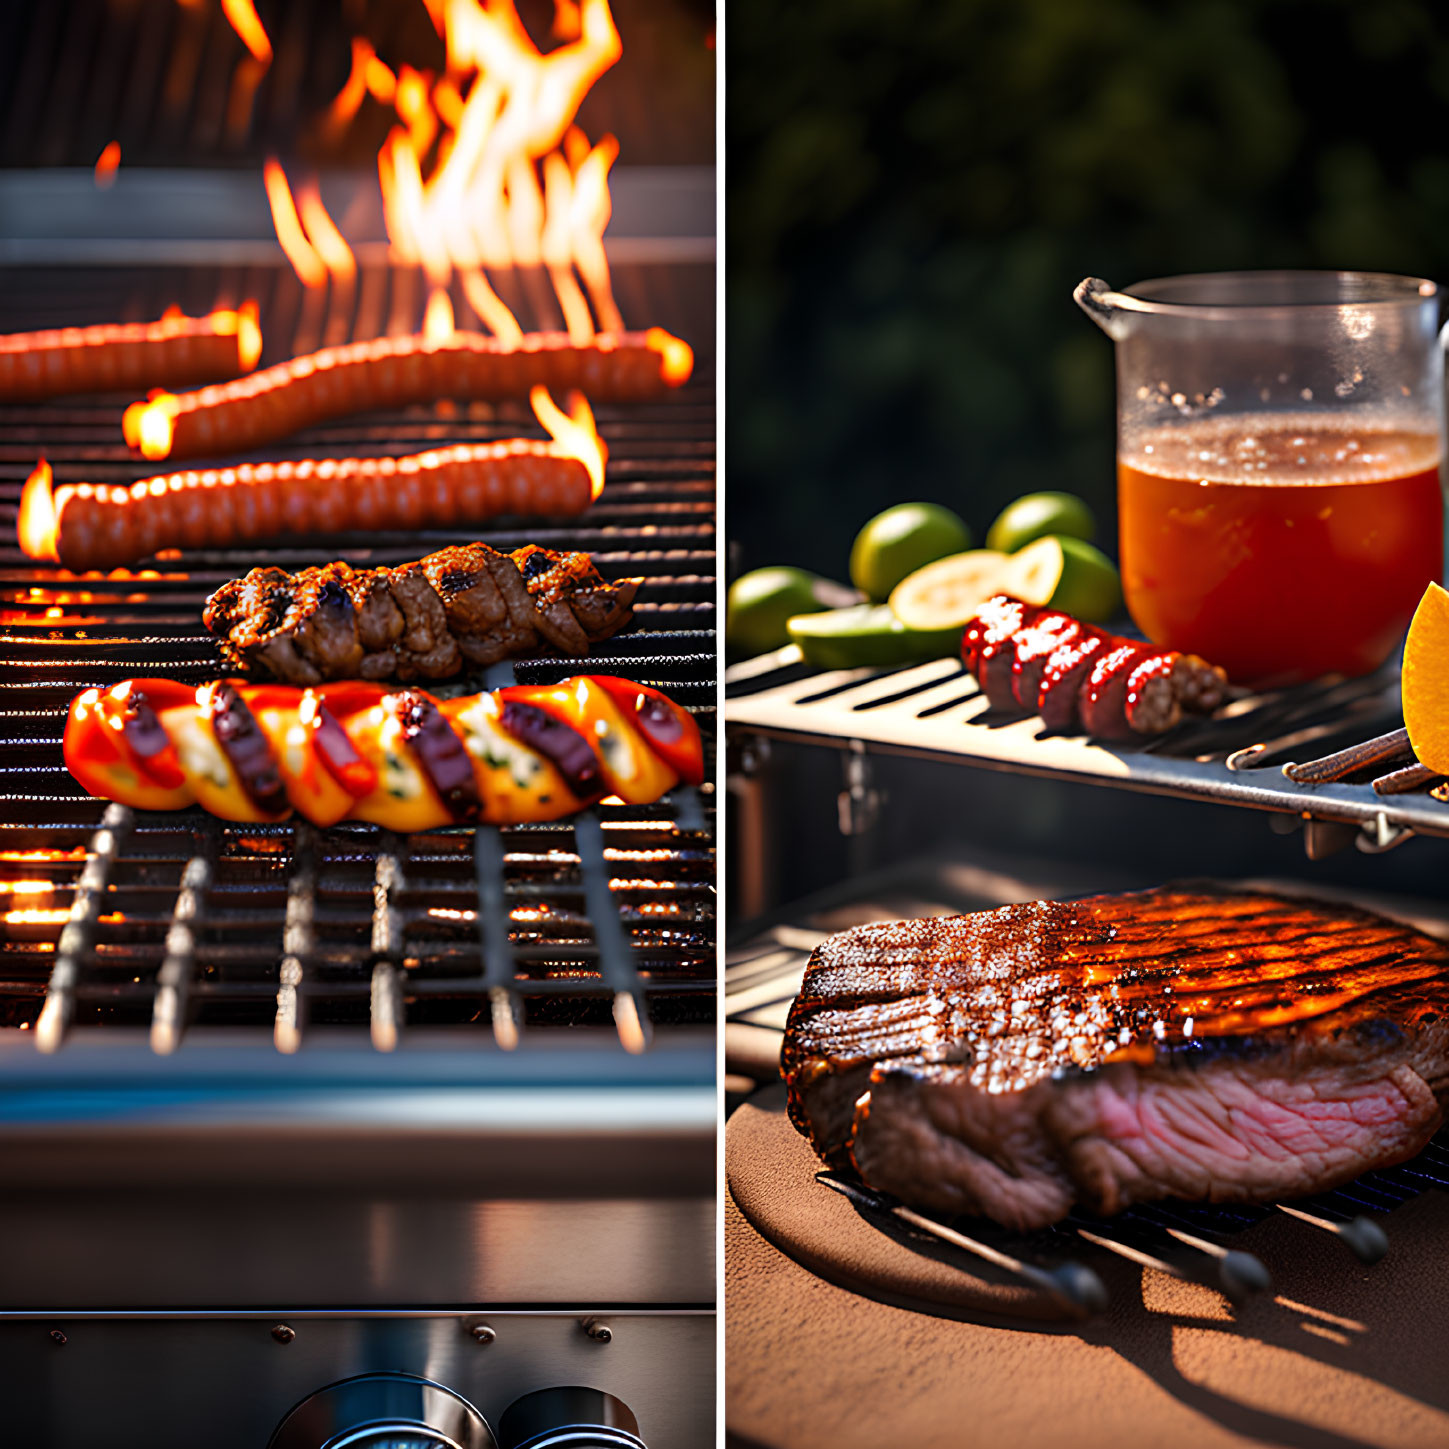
{"x": 936, "y": 711}
{"x": 116, "y": 918}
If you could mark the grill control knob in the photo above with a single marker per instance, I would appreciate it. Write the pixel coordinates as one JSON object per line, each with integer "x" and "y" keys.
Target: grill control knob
{"x": 569, "y": 1418}
{"x": 384, "y": 1411}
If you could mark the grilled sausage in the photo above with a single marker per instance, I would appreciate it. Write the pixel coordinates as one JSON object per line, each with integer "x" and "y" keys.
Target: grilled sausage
{"x": 174, "y": 352}
{"x": 393, "y": 372}
{"x": 399, "y": 758}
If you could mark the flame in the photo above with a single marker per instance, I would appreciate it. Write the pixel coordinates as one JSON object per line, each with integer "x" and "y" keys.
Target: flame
{"x": 490, "y": 307}
{"x": 573, "y": 431}
{"x": 25, "y": 887}
{"x": 381, "y": 82}
{"x": 243, "y": 17}
{"x": 438, "y": 321}
{"x": 308, "y": 265}
{"x": 37, "y": 526}
{"x": 36, "y": 917}
{"x": 248, "y": 334}
{"x": 676, "y": 355}
{"x": 348, "y": 100}
{"x": 148, "y": 426}
{"x": 108, "y": 163}
{"x": 327, "y": 241}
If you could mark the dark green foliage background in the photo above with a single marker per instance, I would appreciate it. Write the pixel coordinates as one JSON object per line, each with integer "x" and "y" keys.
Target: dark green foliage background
{"x": 915, "y": 186}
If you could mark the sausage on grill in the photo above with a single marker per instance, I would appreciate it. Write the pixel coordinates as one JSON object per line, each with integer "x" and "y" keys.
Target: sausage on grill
{"x": 173, "y": 352}
{"x": 393, "y": 372}
{"x": 399, "y": 758}
{"x": 1079, "y": 677}
{"x": 97, "y": 526}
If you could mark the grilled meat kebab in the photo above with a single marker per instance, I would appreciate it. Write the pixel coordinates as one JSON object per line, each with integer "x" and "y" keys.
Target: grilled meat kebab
{"x": 1079, "y": 677}
{"x": 466, "y": 604}
{"x": 1190, "y": 1042}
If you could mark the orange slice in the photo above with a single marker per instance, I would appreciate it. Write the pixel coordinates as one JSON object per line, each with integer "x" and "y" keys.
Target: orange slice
{"x": 1425, "y": 683}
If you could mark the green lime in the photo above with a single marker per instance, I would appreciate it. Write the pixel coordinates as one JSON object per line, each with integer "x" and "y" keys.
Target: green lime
{"x": 946, "y": 594}
{"x": 901, "y": 540}
{"x": 1038, "y": 515}
{"x": 759, "y": 603}
{"x": 1068, "y": 574}
{"x": 867, "y": 634}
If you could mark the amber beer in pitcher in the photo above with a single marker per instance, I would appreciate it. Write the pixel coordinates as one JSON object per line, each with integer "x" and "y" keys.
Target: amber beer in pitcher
{"x": 1280, "y": 506}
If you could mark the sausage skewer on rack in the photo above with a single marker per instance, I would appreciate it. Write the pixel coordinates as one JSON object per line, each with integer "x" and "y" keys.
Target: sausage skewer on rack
{"x": 393, "y": 372}
{"x": 469, "y": 604}
{"x": 398, "y": 758}
{"x": 123, "y": 356}
{"x": 95, "y": 526}
{"x": 1078, "y": 677}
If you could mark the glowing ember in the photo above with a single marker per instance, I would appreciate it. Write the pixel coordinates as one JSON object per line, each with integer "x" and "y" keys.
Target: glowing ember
{"x": 148, "y": 426}
{"x": 25, "y": 887}
{"x": 107, "y": 164}
{"x": 243, "y": 17}
{"x": 676, "y": 356}
{"x": 573, "y": 431}
{"x": 36, "y": 917}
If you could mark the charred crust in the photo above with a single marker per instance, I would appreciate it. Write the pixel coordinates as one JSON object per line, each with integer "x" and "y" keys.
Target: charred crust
{"x": 247, "y": 749}
{"x": 562, "y": 745}
{"x": 440, "y": 752}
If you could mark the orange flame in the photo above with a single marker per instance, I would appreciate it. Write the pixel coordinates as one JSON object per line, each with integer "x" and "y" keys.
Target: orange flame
{"x": 37, "y": 526}
{"x": 347, "y": 101}
{"x": 107, "y": 164}
{"x": 438, "y": 320}
{"x": 327, "y": 241}
{"x": 490, "y": 307}
{"x": 676, "y": 356}
{"x": 148, "y": 426}
{"x": 308, "y": 265}
{"x": 574, "y": 432}
{"x": 244, "y": 20}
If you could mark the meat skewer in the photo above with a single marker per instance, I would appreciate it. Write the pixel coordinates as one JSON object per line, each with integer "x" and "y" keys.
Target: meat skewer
{"x": 1176, "y": 1043}
{"x": 1079, "y": 677}
{"x": 95, "y": 526}
{"x": 173, "y": 352}
{"x": 398, "y": 758}
{"x": 393, "y": 372}
{"x": 469, "y": 604}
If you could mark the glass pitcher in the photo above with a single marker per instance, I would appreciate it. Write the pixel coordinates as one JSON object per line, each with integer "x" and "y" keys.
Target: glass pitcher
{"x": 1279, "y": 436}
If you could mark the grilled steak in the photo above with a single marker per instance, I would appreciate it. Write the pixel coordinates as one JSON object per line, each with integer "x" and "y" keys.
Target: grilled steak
{"x": 419, "y": 621}
{"x": 1189, "y": 1042}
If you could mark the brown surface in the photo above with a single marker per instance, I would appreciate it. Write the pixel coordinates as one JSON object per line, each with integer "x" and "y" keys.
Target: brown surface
{"x": 1344, "y": 1357}
{"x": 771, "y": 1174}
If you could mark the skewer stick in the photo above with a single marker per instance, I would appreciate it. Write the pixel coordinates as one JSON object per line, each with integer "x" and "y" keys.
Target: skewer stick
{"x": 1378, "y": 751}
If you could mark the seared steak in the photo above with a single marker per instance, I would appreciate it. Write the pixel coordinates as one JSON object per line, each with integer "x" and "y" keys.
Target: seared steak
{"x": 1188, "y": 1042}
{"x": 418, "y": 621}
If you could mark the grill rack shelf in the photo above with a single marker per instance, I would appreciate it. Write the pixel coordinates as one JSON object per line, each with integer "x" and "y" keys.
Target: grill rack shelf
{"x": 116, "y": 920}
{"x": 936, "y": 711}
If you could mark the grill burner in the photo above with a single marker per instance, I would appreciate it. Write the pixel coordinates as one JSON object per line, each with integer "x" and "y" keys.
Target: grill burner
{"x": 139, "y": 919}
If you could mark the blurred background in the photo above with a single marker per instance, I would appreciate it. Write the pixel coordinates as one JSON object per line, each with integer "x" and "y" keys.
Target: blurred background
{"x": 914, "y": 189}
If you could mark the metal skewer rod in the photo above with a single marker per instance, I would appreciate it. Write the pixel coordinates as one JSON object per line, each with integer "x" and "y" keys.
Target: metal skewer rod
{"x": 1377, "y": 751}
{"x": 1073, "y": 1284}
{"x": 1364, "y": 1236}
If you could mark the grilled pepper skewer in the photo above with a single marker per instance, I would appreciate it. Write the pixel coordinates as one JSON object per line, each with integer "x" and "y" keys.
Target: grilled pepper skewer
{"x": 399, "y": 758}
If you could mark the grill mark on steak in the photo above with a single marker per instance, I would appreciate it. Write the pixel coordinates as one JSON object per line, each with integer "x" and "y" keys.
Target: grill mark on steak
{"x": 417, "y": 621}
{"x": 1189, "y": 1042}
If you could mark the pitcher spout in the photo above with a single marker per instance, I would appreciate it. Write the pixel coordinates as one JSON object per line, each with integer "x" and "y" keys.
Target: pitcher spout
{"x": 1103, "y": 305}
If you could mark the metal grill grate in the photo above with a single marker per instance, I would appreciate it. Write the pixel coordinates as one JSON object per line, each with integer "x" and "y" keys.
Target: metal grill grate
{"x": 936, "y": 711}
{"x": 167, "y": 921}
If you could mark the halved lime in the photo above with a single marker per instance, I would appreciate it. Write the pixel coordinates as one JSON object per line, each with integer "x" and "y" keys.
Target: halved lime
{"x": 946, "y": 594}
{"x": 1068, "y": 574}
{"x": 867, "y": 634}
